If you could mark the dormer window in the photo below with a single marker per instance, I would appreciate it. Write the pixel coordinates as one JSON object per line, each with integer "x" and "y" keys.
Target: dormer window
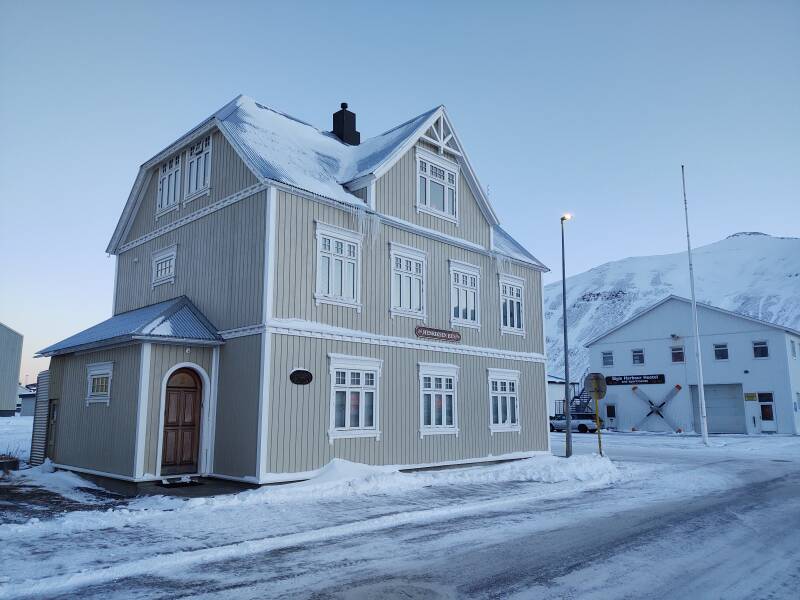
{"x": 169, "y": 184}
{"x": 437, "y": 191}
{"x": 198, "y": 168}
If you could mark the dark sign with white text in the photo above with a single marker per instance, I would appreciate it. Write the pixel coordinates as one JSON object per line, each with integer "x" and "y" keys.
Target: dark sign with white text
{"x": 437, "y": 334}
{"x": 634, "y": 379}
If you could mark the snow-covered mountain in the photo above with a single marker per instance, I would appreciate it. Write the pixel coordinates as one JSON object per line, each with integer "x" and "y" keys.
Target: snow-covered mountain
{"x": 752, "y": 273}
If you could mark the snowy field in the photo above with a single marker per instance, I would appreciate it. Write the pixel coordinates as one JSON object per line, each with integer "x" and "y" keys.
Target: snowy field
{"x": 665, "y": 517}
{"x": 15, "y": 436}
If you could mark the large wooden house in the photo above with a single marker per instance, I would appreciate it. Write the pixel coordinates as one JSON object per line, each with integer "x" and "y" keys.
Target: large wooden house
{"x": 284, "y": 296}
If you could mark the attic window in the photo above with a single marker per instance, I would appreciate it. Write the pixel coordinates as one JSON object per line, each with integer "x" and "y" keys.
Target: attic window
{"x": 198, "y": 168}
{"x": 437, "y": 191}
{"x": 169, "y": 184}
{"x": 164, "y": 265}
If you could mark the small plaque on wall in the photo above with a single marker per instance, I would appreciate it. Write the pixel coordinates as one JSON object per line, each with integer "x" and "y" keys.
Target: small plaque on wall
{"x": 437, "y": 334}
{"x": 301, "y": 377}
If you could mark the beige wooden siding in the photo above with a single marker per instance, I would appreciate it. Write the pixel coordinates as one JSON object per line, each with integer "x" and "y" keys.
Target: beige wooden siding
{"x": 228, "y": 175}
{"x": 97, "y": 436}
{"x": 219, "y": 266}
{"x": 236, "y": 442}
{"x": 10, "y": 356}
{"x": 396, "y": 195}
{"x": 299, "y": 416}
{"x": 295, "y": 281}
{"x": 162, "y": 359}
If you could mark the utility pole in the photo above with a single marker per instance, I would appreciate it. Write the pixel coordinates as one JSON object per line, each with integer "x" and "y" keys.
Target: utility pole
{"x": 701, "y": 395}
{"x": 567, "y": 390}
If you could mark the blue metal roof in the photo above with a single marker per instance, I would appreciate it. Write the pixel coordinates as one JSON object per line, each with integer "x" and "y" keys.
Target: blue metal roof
{"x": 173, "y": 320}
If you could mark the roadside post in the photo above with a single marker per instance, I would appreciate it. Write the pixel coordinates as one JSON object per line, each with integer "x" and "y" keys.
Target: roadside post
{"x": 595, "y": 384}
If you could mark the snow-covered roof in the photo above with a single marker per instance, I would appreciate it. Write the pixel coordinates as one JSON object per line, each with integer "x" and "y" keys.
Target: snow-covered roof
{"x": 505, "y": 244}
{"x": 687, "y": 301}
{"x": 176, "y": 319}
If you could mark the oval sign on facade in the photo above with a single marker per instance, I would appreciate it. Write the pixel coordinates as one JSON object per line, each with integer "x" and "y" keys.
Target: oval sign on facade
{"x": 301, "y": 377}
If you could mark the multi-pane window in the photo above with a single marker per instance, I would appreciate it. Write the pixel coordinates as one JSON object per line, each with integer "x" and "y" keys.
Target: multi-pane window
{"x": 338, "y": 260}
{"x": 511, "y": 305}
{"x": 677, "y": 354}
{"x": 760, "y": 350}
{"x": 438, "y": 188}
{"x": 503, "y": 400}
{"x": 198, "y": 167}
{"x": 765, "y": 402}
{"x": 169, "y": 184}
{"x": 98, "y": 382}
{"x": 164, "y": 265}
{"x": 408, "y": 281}
{"x": 464, "y": 294}
{"x": 354, "y": 396}
{"x": 608, "y": 359}
{"x": 637, "y": 356}
{"x": 720, "y": 351}
{"x": 438, "y": 398}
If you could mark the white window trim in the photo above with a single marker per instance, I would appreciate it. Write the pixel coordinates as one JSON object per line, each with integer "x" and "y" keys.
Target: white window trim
{"x": 162, "y": 210}
{"x": 671, "y": 357}
{"x": 508, "y": 375}
{"x": 602, "y": 363}
{"x": 463, "y": 267}
{"x": 204, "y": 190}
{"x": 159, "y": 255}
{"x": 438, "y": 370}
{"x": 727, "y": 351}
{"x": 442, "y": 163}
{"x": 348, "y": 235}
{"x": 402, "y": 251}
{"x": 644, "y": 357}
{"x": 105, "y": 369}
{"x": 766, "y": 344}
{"x": 520, "y": 283}
{"x": 343, "y": 362}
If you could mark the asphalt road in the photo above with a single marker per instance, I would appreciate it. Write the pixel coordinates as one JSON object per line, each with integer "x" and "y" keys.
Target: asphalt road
{"x": 637, "y": 539}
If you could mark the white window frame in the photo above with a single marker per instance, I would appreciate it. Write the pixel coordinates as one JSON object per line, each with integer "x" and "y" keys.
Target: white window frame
{"x": 344, "y": 236}
{"x": 200, "y": 149}
{"x": 96, "y": 371}
{"x": 721, "y": 346}
{"x": 515, "y": 282}
{"x": 160, "y": 256}
{"x": 672, "y": 350}
{"x": 766, "y": 345}
{"x": 507, "y": 376}
{"x": 362, "y": 364}
{"x": 434, "y": 371}
{"x": 407, "y": 253}
{"x": 171, "y": 167}
{"x": 424, "y": 158}
{"x": 603, "y": 358}
{"x": 633, "y": 353}
{"x": 457, "y": 266}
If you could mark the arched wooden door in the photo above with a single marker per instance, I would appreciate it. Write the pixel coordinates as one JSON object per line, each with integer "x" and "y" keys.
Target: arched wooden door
{"x": 181, "y": 423}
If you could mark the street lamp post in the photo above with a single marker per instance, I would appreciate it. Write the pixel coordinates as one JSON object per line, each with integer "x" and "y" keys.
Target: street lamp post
{"x": 567, "y": 394}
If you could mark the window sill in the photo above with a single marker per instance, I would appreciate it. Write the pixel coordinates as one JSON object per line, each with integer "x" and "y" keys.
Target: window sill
{"x": 160, "y": 213}
{"x": 336, "y": 301}
{"x": 510, "y": 331}
{"x": 397, "y": 312}
{"x": 163, "y": 281}
{"x": 338, "y": 434}
{"x": 469, "y": 324}
{"x": 421, "y": 208}
{"x": 205, "y": 191}
{"x": 438, "y": 431}
{"x": 106, "y": 401}
{"x": 505, "y": 428}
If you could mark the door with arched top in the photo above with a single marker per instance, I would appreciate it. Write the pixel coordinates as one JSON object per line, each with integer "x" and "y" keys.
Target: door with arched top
{"x": 181, "y": 423}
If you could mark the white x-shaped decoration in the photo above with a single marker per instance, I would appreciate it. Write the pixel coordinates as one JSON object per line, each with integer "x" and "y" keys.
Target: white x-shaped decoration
{"x": 656, "y": 409}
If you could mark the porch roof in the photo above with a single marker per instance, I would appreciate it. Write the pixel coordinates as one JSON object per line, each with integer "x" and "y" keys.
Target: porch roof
{"x": 171, "y": 321}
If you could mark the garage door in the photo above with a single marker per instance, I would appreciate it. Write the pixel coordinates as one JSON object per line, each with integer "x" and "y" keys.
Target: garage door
{"x": 724, "y": 408}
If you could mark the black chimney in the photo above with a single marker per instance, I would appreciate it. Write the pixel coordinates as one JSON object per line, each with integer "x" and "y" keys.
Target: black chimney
{"x": 344, "y": 126}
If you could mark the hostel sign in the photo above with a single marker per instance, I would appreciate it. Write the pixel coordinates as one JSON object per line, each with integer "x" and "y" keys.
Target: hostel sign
{"x": 635, "y": 379}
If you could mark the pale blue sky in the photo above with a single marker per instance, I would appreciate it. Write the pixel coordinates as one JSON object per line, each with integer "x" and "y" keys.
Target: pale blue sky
{"x": 582, "y": 106}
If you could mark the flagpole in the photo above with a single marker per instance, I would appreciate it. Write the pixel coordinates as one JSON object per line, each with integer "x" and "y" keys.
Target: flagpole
{"x": 701, "y": 395}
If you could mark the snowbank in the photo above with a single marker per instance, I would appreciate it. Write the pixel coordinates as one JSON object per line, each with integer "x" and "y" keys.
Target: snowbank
{"x": 64, "y": 483}
{"x": 15, "y": 436}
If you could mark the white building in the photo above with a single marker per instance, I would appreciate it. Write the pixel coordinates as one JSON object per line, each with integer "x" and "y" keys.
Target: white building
{"x": 555, "y": 394}
{"x": 751, "y": 371}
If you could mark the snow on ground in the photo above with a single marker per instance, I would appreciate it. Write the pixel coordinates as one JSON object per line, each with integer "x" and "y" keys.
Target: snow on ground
{"x": 15, "y": 436}
{"x": 377, "y": 532}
